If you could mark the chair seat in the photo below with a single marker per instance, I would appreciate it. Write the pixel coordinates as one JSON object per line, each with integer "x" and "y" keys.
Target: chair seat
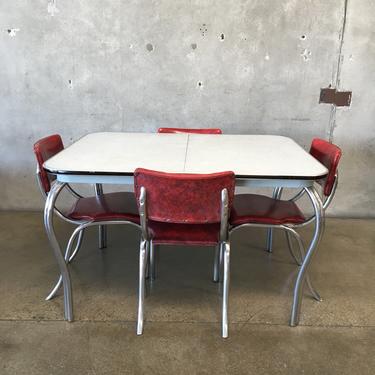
{"x": 260, "y": 209}
{"x": 111, "y": 206}
{"x": 184, "y": 234}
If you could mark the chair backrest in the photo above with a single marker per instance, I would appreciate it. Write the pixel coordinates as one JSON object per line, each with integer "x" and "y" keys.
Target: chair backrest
{"x": 184, "y": 198}
{"x": 329, "y": 155}
{"x": 191, "y": 131}
{"x": 44, "y": 149}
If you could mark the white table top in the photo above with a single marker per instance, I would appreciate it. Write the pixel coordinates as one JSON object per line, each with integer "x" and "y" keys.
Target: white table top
{"x": 248, "y": 156}
{"x": 257, "y": 156}
{"x": 121, "y": 153}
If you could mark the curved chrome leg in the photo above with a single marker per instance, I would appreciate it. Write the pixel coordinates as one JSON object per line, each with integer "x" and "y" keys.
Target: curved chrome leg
{"x": 68, "y": 258}
{"x": 142, "y": 272}
{"x": 48, "y": 222}
{"x": 78, "y": 246}
{"x": 319, "y": 225}
{"x": 301, "y": 248}
{"x": 53, "y": 292}
{"x": 290, "y": 247}
{"x": 216, "y": 276}
{"x": 152, "y": 261}
{"x": 313, "y": 291}
{"x": 226, "y": 289}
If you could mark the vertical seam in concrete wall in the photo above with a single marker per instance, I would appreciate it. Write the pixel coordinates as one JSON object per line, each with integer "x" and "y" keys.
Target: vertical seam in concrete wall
{"x": 337, "y": 83}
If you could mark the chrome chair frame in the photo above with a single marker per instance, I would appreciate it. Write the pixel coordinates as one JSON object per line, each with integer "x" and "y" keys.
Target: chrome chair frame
{"x": 304, "y": 257}
{"x": 146, "y": 246}
{"x": 77, "y": 236}
{"x": 277, "y": 195}
{"x": 102, "y": 235}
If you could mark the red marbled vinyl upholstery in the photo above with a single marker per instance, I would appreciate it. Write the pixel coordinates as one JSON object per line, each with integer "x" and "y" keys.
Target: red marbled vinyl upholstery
{"x": 189, "y": 130}
{"x": 44, "y": 149}
{"x": 259, "y": 209}
{"x": 329, "y": 155}
{"x": 110, "y": 206}
{"x": 186, "y": 234}
{"x": 183, "y": 198}
{"x": 184, "y": 208}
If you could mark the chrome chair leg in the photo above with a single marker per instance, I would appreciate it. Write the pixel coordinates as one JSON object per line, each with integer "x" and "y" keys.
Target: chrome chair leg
{"x": 216, "y": 275}
{"x": 301, "y": 248}
{"x": 54, "y": 290}
{"x": 313, "y": 291}
{"x": 141, "y": 296}
{"x": 290, "y": 247}
{"x": 226, "y": 289}
{"x": 78, "y": 246}
{"x": 68, "y": 258}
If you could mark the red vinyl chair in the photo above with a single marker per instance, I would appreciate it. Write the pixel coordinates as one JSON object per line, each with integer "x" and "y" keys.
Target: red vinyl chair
{"x": 262, "y": 211}
{"x": 99, "y": 210}
{"x": 184, "y": 209}
{"x": 186, "y": 131}
{"x": 189, "y": 130}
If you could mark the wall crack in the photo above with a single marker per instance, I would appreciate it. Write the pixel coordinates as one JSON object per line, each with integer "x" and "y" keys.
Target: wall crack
{"x": 337, "y": 79}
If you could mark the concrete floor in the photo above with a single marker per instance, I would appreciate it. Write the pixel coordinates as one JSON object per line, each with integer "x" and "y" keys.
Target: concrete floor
{"x": 182, "y": 328}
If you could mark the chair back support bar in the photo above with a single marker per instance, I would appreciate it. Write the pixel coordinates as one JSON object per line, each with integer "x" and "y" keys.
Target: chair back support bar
{"x": 189, "y": 130}
{"x": 184, "y": 198}
{"x": 44, "y": 149}
{"x": 329, "y": 155}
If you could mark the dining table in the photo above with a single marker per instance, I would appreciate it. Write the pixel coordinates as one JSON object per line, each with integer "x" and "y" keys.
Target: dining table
{"x": 256, "y": 160}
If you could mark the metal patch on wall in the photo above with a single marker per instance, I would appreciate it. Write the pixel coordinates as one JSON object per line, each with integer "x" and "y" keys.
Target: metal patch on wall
{"x": 330, "y": 95}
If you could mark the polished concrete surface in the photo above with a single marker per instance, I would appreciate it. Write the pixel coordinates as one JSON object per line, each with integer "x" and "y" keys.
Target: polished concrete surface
{"x": 182, "y": 327}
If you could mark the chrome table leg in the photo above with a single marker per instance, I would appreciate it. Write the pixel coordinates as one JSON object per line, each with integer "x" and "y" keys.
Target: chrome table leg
{"x": 102, "y": 236}
{"x": 301, "y": 278}
{"x": 102, "y": 229}
{"x": 269, "y": 240}
{"x": 48, "y": 222}
{"x": 276, "y": 195}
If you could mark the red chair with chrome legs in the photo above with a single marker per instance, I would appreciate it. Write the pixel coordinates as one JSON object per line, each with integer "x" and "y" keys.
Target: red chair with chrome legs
{"x": 190, "y": 130}
{"x": 184, "y": 209}
{"x": 181, "y": 131}
{"x": 99, "y": 210}
{"x": 262, "y": 211}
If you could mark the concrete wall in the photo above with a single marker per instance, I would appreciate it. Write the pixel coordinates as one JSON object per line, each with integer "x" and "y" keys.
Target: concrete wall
{"x": 254, "y": 67}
